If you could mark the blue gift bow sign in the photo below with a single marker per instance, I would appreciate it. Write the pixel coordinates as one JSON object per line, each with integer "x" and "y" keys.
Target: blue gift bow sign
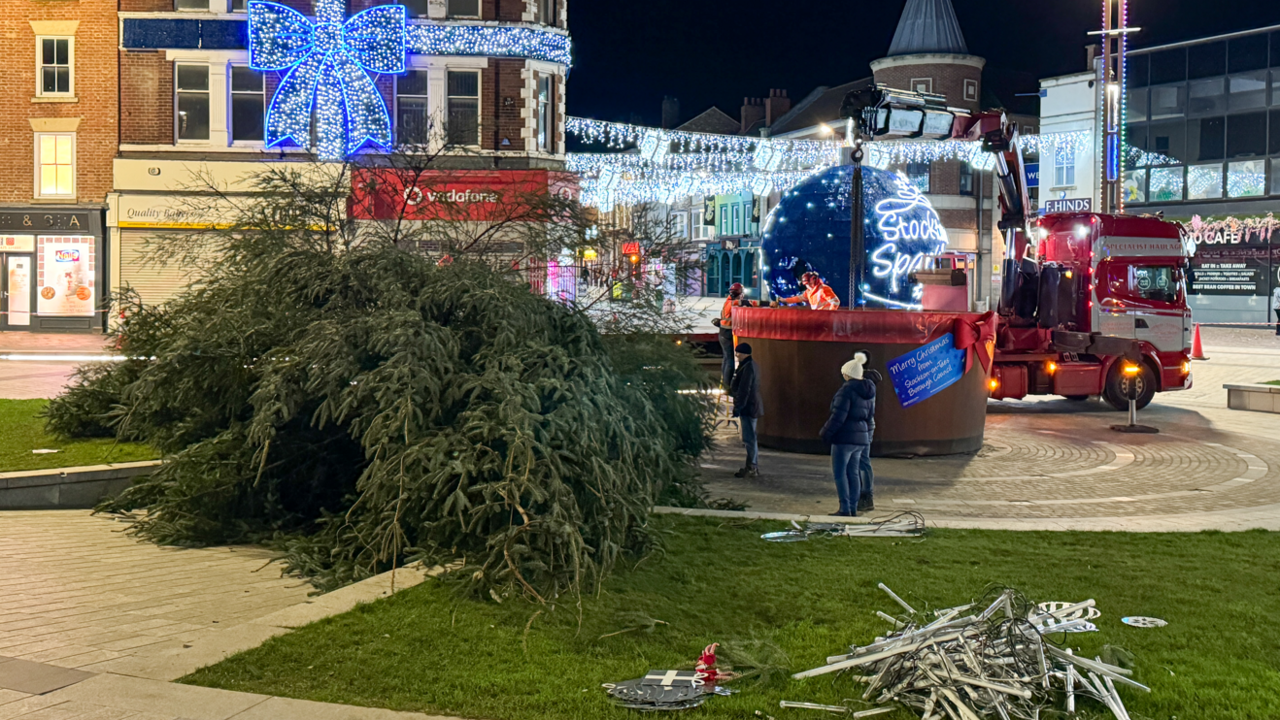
{"x": 328, "y": 62}
{"x": 927, "y": 370}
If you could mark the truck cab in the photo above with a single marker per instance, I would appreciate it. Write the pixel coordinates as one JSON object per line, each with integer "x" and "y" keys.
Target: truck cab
{"x": 1096, "y": 284}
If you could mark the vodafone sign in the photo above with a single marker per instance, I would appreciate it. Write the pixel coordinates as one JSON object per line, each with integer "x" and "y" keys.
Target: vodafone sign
{"x": 474, "y": 195}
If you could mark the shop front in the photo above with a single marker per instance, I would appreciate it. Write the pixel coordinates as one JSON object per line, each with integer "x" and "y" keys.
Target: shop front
{"x": 1234, "y": 271}
{"x": 52, "y": 267}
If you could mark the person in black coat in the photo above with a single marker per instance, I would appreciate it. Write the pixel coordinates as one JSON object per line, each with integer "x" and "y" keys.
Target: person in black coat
{"x": 747, "y": 407}
{"x": 848, "y": 432}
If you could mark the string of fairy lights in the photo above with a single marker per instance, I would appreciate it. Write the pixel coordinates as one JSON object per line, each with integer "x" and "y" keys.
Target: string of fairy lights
{"x": 663, "y": 165}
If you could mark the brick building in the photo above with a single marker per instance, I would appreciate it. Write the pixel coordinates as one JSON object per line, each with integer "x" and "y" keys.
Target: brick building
{"x": 482, "y": 87}
{"x": 57, "y": 141}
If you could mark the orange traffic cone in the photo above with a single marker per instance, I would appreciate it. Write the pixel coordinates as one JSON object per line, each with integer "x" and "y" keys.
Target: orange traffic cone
{"x": 1197, "y": 350}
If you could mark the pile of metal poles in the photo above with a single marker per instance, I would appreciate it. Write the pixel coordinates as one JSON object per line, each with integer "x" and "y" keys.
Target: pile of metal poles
{"x": 965, "y": 665}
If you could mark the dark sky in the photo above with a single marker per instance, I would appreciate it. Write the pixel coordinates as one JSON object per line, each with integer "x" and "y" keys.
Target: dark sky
{"x": 630, "y": 53}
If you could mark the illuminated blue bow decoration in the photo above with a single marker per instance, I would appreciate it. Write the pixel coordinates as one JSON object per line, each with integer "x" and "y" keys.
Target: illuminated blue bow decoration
{"x": 327, "y": 62}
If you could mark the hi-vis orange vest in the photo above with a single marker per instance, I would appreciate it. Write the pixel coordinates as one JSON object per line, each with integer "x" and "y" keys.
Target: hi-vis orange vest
{"x": 822, "y": 298}
{"x": 726, "y": 314}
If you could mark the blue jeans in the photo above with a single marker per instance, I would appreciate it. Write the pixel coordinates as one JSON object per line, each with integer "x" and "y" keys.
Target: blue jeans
{"x": 748, "y": 426}
{"x": 864, "y": 470}
{"x": 846, "y": 461}
{"x": 726, "y": 365}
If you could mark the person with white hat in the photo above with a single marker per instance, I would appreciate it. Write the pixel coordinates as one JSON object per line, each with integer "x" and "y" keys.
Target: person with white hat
{"x": 847, "y": 432}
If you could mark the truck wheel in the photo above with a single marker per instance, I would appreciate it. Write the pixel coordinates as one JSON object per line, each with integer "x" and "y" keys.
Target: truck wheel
{"x": 1116, "y": 392}
{"x": 1076, "y": 398}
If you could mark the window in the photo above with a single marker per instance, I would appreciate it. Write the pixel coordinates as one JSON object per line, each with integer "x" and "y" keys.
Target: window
{"x": 1136, "y": 105}
{"x": 1207, "y": 60}
{"x": 737, "y": 219}
{"x": 1247, "y": 135}
{"x": 1168, "y": 142}
{"x": 1169, "y": 66}
{"x": 1207, "y": 97}
{"x": 193, "y": 102}
{"x": 918, "y": 175}
{"x": 202, "y": 5}
{"x": 248, "y": 104}
{"x": 1168, "y": 101}
{"x": 724, "y": 219}
{"x": 966, "y": 179}
{"x": 414, "y": 8}
{"x": 1247, "y": 90}
{"x": 463, "y": 8}
{"x": 1135, "y": 186}
{"x": 546, "y": 115}
{"x": 1247, "y": 179}
{"x": 1136, "y": 74}
{"x": 239, "y": 6}
{"x": 1247, "y": 53}
{"x": 1166, "y": 184}
{"x": 1204, "y": 182}
{"x": 680, "y": 225}
{"x": 1275, "y": 177}
{"x": 1206, "y": 139}
{"x": 55, "y": 165}
{"x": 55, "y": 66}
{"x": 1274, "y": 144}
{"x": 1155, "y": 282}
{"x": 464, "y": 107}
{"x": 547, "y": 12}
{"x": 413, "y": 126}
{"x": 922, "y": 85}
{"x": 1064, "y": 166}
{"x": 971, "y": 90}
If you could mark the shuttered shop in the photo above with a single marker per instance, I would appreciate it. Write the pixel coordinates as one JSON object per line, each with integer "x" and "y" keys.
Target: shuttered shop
{"x": 154, "y": 282}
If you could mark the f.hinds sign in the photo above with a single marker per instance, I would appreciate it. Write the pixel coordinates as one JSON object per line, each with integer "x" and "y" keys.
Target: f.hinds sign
{"x": 474, "y": 195}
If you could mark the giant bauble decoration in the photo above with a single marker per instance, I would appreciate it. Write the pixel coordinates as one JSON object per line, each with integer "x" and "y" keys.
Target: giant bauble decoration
{"x": 809, "y": 231}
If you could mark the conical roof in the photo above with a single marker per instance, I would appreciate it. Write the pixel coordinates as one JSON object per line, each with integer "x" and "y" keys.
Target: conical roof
{"x": 928, "y": 26}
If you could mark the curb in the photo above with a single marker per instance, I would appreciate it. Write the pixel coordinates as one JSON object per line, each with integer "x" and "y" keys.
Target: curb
{"x": 68, "y": 488}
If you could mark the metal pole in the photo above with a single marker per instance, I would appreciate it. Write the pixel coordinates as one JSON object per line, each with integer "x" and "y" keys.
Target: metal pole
{"x": 857, "y": 247}
{"x": 1133, "y": 412}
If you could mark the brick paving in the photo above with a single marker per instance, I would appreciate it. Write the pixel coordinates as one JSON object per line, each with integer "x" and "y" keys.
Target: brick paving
{"x": 1055, "y": 461}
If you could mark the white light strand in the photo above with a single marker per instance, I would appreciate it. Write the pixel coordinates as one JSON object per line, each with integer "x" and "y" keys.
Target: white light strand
{"x": 486, "y": 40}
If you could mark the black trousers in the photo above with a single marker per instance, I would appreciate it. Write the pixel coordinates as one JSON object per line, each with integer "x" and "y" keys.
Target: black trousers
{"x": 727, "y": 365}
{"x": 1278, "y": 321}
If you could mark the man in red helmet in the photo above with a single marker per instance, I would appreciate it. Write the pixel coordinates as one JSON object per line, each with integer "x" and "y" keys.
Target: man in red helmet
{"x": 725, "y": 323}
{"x": 818, "y": 295}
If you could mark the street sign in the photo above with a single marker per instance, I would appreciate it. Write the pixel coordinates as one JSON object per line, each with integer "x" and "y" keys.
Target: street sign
{"x": 1074, "y": 205}
{"x": 1033, "y": 175}
{"x": 926, "y": 371}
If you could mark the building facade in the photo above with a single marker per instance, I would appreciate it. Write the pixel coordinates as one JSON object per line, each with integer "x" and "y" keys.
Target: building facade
{"x": 58, "y": 139}
{"x": 480, "y": 90}
{"x": 1204, "y": 136}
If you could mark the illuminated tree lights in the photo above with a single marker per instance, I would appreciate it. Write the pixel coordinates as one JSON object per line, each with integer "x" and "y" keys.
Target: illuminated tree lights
{"x": 665, "y": 162}
{"x": 329, "y": 62}
{"x": 489, "y": 41}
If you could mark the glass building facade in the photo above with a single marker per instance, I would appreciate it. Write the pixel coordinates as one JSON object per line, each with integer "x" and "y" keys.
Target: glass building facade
{"x": 1203, "y": 135}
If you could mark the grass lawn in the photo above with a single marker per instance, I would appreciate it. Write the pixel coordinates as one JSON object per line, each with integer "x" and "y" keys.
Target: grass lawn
{"x": 426, "y": 650}
{"x": 1272, "y": 382}
{"x": 22, "y": 430}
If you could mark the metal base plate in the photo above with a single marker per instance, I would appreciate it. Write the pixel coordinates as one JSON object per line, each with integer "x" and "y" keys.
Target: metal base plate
{"x": 1146, "y": 429}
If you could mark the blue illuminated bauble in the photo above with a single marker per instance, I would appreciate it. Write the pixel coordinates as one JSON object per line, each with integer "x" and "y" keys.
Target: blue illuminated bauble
{"x": 809, "y": 231}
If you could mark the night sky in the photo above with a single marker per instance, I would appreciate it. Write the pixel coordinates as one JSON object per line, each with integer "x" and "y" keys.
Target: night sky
{"x": 630, "y": 53}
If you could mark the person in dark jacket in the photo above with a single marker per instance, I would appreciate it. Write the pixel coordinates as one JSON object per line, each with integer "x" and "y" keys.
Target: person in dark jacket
{"x": 866, "y": 499}
{"x": 847, "y": 432}
{"x": 747, "y": 407}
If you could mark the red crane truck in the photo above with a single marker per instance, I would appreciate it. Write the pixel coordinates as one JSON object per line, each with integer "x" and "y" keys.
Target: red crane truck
{"x": 1090, "y": 303}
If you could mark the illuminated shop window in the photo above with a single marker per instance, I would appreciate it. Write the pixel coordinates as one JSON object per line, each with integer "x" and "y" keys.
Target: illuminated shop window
{"x": 56, "y": 165}
{"x": 1247, "y": 179}
{"x": 1135, "y": 186}
{"x": 1204, "y": 182}
{"x": 1166, "y": 184}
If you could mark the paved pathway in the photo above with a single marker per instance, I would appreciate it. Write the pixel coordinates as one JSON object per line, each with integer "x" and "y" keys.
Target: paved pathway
{"x": 94, "y": 623}
{"x": 29, "y": 364}
{"x": 1055, "y": 464}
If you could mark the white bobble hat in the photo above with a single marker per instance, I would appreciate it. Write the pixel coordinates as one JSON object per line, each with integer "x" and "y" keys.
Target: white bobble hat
{"x": 853, "y": 368}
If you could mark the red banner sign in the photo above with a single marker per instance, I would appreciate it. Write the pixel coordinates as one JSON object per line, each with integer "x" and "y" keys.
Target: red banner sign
{"x": 475, "y": 195}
